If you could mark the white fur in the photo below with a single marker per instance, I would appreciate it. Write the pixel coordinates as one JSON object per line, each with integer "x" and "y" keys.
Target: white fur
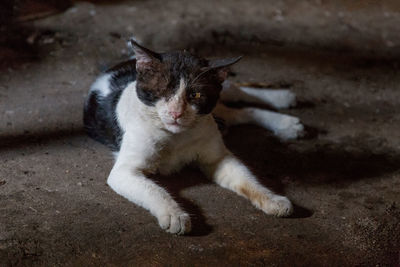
{"x": 283, "y": 126}
{"x": 277, "y": 98}
{"x": 150, "y": 145}
{"x": 102, "y": 85}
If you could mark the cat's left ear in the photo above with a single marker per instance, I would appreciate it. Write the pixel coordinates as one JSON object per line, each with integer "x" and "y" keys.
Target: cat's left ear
{"x": 144, "y": 57}
{"x": 221, "y": 66}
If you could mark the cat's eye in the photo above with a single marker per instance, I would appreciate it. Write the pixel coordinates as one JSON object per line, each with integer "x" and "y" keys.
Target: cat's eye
{"x": 195, "y": 95}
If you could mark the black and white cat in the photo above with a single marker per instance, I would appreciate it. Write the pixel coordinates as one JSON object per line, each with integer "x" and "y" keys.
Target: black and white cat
{"x": 156, "y": 113}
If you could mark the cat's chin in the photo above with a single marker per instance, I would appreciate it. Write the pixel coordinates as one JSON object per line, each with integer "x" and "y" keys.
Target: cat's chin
{"x": 174, "y": 127}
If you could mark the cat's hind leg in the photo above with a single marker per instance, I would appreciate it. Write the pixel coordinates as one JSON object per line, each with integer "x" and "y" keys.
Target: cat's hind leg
{"x": 283, "y": 126}
{"x": 277, "y": 98}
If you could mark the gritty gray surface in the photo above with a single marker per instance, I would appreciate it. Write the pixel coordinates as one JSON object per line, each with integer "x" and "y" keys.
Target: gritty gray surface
{"x": 55, "y": 208}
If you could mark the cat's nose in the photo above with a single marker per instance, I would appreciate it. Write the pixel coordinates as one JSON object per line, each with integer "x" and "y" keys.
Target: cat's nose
{"x": 176, "y": 114}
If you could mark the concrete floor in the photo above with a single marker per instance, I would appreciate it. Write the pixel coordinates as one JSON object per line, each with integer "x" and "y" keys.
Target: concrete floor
{"x": 344, "y": 176}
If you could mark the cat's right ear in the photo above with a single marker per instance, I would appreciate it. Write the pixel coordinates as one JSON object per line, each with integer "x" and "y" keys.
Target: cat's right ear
{"x": 145, "y": 58}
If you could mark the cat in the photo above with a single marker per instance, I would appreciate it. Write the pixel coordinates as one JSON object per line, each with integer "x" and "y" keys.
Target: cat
{"x": 156, "y": 113}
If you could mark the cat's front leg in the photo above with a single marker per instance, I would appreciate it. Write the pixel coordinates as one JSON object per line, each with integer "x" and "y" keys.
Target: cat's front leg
{"x": 232, "y": 174}
{"x": 132, "y": 184}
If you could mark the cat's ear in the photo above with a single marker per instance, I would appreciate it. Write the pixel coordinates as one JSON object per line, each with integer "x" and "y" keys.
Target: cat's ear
{"x": 221, "y": 66}
{"x": 145, "y": 58}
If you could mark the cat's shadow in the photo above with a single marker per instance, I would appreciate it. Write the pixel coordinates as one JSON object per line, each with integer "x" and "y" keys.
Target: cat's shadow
{"x": 314, "y": 161}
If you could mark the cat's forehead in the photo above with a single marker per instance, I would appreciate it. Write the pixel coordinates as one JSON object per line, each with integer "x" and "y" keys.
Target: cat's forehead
{"x": 183, "y": 63}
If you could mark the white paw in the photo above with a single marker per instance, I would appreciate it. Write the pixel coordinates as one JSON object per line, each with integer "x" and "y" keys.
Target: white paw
{"x": 288, "y": 127}
{"x": 279, "y": 206}
{"x": 277, "y": 98}
{"x": 175, "y": 222}
{"x": 283, "y": 99}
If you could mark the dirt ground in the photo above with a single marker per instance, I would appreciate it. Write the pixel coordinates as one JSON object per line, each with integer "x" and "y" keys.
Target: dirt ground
{"x": 341, "y": 59}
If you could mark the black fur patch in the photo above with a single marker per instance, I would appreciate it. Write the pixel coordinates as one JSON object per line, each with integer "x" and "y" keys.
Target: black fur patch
{"x": 99, "y": 119}
{"x": 100, "y": 112}
{"x": 122, "y": 74}
{"x": 209, "y": 88}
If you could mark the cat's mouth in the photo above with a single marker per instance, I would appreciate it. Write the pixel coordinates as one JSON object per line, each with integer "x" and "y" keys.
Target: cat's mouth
{"x": 174, "y": 123}
{"x": 175, "y": 126}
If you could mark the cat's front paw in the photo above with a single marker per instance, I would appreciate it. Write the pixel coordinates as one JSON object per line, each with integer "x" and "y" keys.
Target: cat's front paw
{"x": 175, "y": 223}
{"x": 279, "y": 206}
{"x": 288, "y": 127}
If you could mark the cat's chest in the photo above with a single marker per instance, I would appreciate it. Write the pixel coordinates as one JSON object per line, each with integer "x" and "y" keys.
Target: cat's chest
{"x": 159, "y": 151}
{"x": 175, "y": 155}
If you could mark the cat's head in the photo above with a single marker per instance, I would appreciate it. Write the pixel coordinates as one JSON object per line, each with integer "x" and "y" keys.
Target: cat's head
{"x": 180, "y": 86}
